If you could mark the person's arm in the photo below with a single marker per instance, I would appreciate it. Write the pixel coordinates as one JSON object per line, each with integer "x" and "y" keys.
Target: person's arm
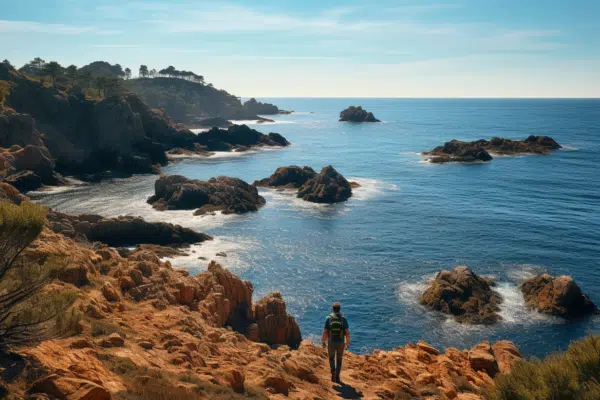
{"x": 347, "y": 338}
{"x": 325, "y": 333}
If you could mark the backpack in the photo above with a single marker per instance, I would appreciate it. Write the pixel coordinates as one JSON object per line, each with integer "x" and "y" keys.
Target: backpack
{"x": 336, "y": 327}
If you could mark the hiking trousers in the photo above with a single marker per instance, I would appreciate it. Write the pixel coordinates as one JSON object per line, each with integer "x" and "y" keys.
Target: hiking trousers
{"x": 336, "y": 351}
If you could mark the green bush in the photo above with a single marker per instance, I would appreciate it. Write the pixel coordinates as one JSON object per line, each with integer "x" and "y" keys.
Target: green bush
{"x": 572, "y": 375}
{"x": 29, "y": 311}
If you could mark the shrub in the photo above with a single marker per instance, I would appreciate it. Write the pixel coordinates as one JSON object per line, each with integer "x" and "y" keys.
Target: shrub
{"x": 29, "y": 311}
{"x": 572, "y": 375}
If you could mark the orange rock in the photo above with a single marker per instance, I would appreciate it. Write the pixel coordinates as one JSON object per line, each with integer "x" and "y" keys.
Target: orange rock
{"x": 235, "y": 378}
{"x": 506, "y": 354}
{"x": 70, "y": 388}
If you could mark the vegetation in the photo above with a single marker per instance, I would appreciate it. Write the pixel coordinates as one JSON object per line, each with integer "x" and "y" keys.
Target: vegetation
{"x": 28, "y": 310}
{"x": 572, "y": 375}
{"x": 153, "y": 384}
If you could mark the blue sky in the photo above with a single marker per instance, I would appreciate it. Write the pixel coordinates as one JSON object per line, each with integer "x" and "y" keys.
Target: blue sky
{"x": 453, "y": 48}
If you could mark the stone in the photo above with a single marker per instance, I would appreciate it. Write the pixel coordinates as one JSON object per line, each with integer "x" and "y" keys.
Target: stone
{"x": 110, "y": 293}
{"x": 481, "y": 358}
{"x": 288, "y": 177}
{"x": 235, "y": 379}
{"x": 76, "y": 274}
{"x": 229, "y": 195}
{"x": 328, "y": 186}
{"x": 69, "y": 388}
{"x": 278, "y": 385}
{"x": 506, "y": 355}
{"x": 357, "y": 114}
{"x": 559, "y": 296}
{"x": 82, "y": 343}
{"x": 463, "y": 294}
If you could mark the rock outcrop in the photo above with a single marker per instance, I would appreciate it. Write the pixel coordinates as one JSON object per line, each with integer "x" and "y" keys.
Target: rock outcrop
{"x": 559, "y": 296}
{"x": 237, "y": 137}
{"x": 229, "y": 195}
{"x": 253, "y": 106}
{"x": 357, "y": 114}
{"x": 123, "y": 231}
{"x": 62, "y": 132}
{"x": 149, "y": 330}
{"x": 463, "y": 294}
{"x": 288, "y": 177}
{"x": 328, "y": 186}
{"x": 479, "y": 150}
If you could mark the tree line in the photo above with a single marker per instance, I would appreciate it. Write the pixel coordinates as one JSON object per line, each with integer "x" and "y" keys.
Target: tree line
{"x": 100, "y": 75}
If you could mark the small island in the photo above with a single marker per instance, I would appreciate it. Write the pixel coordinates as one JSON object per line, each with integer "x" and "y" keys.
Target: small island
{"x": 256, "y": 107}
{"x": 357, "y": 114}
{"x": 223, "y": 193}
{"x": 482, "y": 150}
{"x": 328, "y": 186}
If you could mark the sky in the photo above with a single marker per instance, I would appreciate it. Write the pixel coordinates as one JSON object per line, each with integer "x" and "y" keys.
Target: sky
{"x": 324, "y": 48}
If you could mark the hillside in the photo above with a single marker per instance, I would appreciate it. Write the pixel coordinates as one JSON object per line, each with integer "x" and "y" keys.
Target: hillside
{"x": 189, "y": 102}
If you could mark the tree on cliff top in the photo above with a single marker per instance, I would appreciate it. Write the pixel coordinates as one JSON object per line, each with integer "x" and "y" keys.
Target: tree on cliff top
{"x": 71, "y": 72}
{"x": 53, "y": 69}
{"x": 29, "y": 311}
{"x": 144, "y": 71}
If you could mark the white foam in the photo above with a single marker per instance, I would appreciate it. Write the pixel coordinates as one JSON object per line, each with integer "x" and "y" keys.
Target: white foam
{"x": 513, "y": 309}
{"x": 200, "y": 255}
{"x": 409, "y": 292}
{"x": 370, "y": 188}
{"x": 568, "y": 148}
{"x": 200, "y": 130}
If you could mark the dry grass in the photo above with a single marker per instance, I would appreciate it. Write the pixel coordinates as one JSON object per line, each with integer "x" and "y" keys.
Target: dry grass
{"x": 572, "y": 375}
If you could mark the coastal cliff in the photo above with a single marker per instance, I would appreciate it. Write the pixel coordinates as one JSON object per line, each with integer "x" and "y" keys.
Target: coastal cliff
{"x": 46, "y": 133}
{"x": 147, "y": 329}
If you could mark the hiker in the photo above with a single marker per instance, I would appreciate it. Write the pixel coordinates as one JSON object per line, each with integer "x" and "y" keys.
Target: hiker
{"x": 336, "y": 329}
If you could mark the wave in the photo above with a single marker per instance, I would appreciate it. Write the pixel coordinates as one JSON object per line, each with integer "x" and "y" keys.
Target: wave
{"x": 200, "y": 255}
{"x": 370, "y": 188}
{"x": 566, "y": 147}
{"x": 513, "y": 309}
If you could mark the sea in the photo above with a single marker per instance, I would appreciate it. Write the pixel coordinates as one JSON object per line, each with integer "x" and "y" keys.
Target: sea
{"x": 511, "y": 218}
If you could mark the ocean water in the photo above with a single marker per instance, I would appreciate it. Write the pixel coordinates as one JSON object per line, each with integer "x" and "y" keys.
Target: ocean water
{"x": 510, "y": 218}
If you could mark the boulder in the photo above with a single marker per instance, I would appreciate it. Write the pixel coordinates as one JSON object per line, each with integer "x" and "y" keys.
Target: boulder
{"x": 10, "y": 193}
{"x": 328, "y": 186}
{"x": 24, "y": 181}
{"x": 229, "y": 195}
{"x": 481, "y": 358}
{"x": 288, "y": 177}
{"x": 559, "y": 296}
{"x": 64, "y": 388}
{"x": 110, "y": 293}
{"x": 76, "y": 274}
{"x": 275, "y": 325}
{"x": 256, "y": 107}
{"x": 506, "y": 354}
{"x": 357, "y": 114}
{"x": 235, "y": 379}
{"x": 463, "y": 294}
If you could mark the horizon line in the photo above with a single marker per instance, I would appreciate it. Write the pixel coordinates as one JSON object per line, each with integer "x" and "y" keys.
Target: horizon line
{"x": 425, "y": 98}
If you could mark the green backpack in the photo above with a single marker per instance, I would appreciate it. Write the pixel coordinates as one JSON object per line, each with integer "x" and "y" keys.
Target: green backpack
{"x": 336, "y": 327}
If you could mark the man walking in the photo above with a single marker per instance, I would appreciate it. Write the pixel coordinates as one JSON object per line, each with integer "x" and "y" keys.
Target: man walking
{"x": 336, "y": 330}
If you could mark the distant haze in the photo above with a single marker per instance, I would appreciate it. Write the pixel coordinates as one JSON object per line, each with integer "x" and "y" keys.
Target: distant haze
{"x": 395, "y": 48}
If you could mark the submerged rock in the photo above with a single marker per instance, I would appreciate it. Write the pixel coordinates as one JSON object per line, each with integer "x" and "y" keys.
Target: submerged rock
{"x": 289, "y": 177}
{"x": 479, "y": 150}
{"x": 557, "y": 296}
{"x": 465, "y": 295}
{"x": 226, "y": 194}
{"x": 328, "y": 186}
{"x": 357, "y": 114}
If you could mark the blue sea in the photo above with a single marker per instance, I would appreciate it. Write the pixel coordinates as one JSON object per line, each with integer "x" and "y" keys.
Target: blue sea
{"x": 510, "y": 218}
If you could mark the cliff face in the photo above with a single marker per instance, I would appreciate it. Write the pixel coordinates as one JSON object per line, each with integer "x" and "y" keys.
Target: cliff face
{"x": 149, "y": 330}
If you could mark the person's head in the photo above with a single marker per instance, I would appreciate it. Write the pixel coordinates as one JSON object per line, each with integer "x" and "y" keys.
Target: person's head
{"x": 336, "y": 307}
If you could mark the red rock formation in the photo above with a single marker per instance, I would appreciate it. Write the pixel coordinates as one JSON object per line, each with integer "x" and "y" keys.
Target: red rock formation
{"x": 557, "y": 296}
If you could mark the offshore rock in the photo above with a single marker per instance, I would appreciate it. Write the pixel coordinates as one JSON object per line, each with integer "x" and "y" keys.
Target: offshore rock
{"x": 465, "y": 295}
{"x": 288, "y": 177}
{"x": 226, "y": 194}
{"x": 328, "y": 186}
{"x": 559, "y": 296}
{"x": 357, "y": 114}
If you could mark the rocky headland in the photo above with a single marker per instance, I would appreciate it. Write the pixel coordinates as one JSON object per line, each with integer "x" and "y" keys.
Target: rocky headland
{"x": 479, "y": 150}
{"x": 463, "y": 294}
{"x": 256, "y": 107}
{"x": 559, "y": 296}
{"x": 225, "y": 194}
{"x": 357, "y": 114}
{"x": 146, "y": 329}
{"x": 327, "y": 186}
{"x": 47, "y": 133}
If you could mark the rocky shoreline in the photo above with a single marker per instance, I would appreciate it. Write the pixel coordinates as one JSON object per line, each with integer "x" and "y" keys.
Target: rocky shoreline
{"x": 145, "y": 323}
{"x": 46, "y": 134}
